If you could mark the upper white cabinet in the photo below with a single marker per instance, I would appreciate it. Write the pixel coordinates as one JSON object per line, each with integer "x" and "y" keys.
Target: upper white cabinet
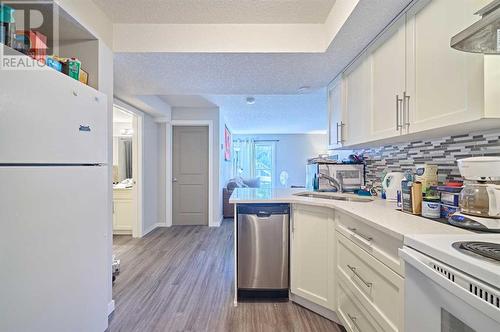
{"x": 313, "y": 255}
{"x": 445, "y": 86}
{"x": 410, "y": 82}
{"x": 357, "y": 103}
{"x": 388, "y": 66}
{"x": 335, "y": 113}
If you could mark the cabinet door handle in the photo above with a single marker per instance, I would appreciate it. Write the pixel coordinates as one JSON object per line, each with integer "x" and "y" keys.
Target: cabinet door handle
{"x": 338, "y": 141}
{"x": 399, "y": 126}
{"x": 340, "y": 126}
{"x": 406, "y": 110}
{"x": 354, "y": 270}
{"x": 354, "y": 321}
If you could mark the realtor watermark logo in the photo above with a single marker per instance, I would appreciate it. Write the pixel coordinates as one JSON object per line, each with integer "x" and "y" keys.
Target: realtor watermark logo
{"x": 29, "y": 31}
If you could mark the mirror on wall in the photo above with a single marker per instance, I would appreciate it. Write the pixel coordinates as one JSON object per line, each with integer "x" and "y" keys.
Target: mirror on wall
{"x": 122, "y": 164}
{"x": 122, "y": 148}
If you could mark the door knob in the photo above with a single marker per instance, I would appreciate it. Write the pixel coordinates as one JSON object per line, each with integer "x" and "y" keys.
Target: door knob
{"x": 174, "y": 180}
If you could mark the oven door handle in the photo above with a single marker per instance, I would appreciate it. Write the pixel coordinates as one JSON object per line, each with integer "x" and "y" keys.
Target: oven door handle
{"x": 418, "y": 261}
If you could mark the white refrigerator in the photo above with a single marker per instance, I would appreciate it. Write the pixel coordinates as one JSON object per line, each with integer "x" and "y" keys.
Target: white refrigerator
{"x": 54, "y": 267}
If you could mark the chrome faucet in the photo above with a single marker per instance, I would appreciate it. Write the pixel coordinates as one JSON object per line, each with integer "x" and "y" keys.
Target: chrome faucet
{"x": 338, "y": 184}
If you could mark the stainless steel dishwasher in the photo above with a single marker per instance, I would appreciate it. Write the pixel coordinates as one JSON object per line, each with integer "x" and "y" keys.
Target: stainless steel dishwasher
{"x": 263, "y": 250}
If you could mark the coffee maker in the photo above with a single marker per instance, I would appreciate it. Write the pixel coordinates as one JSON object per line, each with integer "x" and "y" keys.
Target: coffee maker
{"x": 480, "y": 197}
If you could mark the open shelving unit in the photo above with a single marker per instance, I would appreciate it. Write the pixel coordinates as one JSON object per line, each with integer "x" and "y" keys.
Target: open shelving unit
{"x": 73, "y": 40}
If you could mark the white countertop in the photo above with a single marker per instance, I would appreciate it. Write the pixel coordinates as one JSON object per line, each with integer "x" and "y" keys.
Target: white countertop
{"x": 379, "y": 213}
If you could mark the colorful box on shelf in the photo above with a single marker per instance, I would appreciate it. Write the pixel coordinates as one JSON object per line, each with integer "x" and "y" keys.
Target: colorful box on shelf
{"x": 83, "y": 77}
{"x": 71, "y": 67}
{"x": 7, "y": 25}
{"x": 6, "y": 14}
{"x": 53, "y": 63}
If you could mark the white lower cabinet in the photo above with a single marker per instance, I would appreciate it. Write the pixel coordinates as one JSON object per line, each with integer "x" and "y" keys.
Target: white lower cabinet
{"x": 123, "y": 211}
{"x": 372, "y": 283}
{"x": 347, "y": 266}
{"x": 353, "y": 315}
{"x": 313, "y": 255}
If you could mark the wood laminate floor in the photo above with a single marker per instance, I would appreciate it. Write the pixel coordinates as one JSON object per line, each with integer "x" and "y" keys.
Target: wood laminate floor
{"x": 181, "y": 279}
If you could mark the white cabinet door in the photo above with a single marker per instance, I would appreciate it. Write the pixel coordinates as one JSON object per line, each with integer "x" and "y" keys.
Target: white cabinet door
{"x": 388, "y": 82}
{"x": 123, "y": 211}
{"x": 313, "y": 255}
{"x": 446, "y": 87}
{"x": 358, "y": 103}
{"x": 335, "y": 113}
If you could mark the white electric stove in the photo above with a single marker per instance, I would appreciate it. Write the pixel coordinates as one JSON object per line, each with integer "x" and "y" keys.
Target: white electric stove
{"x": 452, "y": 283}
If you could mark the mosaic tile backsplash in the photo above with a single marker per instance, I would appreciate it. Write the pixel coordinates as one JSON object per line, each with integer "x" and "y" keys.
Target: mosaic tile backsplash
{"x": 443, "y": 152}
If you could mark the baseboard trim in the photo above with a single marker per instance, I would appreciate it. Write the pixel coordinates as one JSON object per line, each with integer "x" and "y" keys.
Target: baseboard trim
{"x": 111, "y": 307}
{"x": 218, "y": 223}
{"x": 122, "y": 232}
{"x": 153, "y": 227}
{"x": 327, "y": 313}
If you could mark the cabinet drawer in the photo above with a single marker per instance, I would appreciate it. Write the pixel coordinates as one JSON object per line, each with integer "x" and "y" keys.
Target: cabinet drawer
{"x": 379, "y": 244}
{"x": 375, "y": 285}
{"x": 354, "y": 317}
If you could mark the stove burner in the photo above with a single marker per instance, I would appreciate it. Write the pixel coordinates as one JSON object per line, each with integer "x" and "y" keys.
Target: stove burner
{"x": 484, "y": 249}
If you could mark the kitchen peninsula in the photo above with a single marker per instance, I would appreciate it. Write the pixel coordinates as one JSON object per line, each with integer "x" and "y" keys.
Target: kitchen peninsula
{"x": 344, "y": 254}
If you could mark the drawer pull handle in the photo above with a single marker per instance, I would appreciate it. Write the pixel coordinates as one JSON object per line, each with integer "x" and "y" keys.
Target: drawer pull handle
{"x": 354, "y": 321}
{"x": 369, "y": 239}
{"x": 353, "y": 269}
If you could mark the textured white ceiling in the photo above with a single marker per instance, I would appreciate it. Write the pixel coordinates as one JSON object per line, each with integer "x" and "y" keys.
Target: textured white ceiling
{"x": 251, "y": 73}
{"x": 279, "y": 114}
{"x": 234, "y": 76}
{"x": 216, "y": 11}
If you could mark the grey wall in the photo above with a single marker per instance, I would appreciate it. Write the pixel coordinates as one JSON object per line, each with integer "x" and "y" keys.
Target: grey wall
{"x": 443, "y": 152}
{"x": 292, "y": 152}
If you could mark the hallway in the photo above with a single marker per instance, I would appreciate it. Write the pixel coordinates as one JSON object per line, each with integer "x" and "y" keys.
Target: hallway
{"x": 180, "y": 279}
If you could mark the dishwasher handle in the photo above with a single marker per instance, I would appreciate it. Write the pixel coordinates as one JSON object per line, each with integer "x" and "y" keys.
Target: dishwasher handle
{"x": 264, "y": 210}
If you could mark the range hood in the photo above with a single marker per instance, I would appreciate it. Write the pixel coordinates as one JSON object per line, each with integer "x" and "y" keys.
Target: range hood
{"x": 484, "y": 35}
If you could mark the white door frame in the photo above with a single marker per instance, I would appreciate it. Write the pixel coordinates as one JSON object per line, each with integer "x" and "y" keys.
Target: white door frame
{"x": 138, "y": 148}
{"x": 211, "y": 175}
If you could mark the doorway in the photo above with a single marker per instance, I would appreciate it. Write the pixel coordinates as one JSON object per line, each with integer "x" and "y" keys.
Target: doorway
{"x": 190, "y": 175}
{"x": 127, "y": 155}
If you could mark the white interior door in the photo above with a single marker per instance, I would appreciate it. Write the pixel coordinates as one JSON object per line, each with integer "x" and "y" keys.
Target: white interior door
{"x": 53, "y": 252}
{"x": 190, "y": 175}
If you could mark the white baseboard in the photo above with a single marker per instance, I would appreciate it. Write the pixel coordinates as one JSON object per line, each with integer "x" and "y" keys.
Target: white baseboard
{"x": 331, "y": 315}
{"x": 218, "y": 223}
{"x": 122, "y": 232}
{"x": 153, "y": 227}
{"x": 111, "y": 307}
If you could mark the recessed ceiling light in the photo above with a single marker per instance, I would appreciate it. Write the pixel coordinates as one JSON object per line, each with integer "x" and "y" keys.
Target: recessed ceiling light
{"x": 250, "y": 100}
{"x": 303, "y": 89}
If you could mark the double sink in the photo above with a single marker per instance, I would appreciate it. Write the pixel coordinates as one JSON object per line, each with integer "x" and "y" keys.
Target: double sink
{"x": 336, "y": 197}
